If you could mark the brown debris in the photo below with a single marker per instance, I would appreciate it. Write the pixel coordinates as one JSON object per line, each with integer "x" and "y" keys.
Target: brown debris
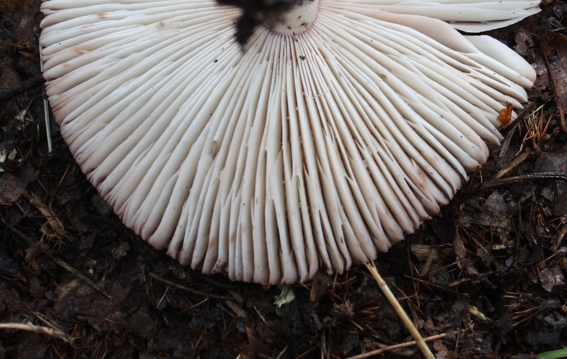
{"x": 555, "y": 53}
{"x": 552, "y": 279}
{"x": 12, "y": 185}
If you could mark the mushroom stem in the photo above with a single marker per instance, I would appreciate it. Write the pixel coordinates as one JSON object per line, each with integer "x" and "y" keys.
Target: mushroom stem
{"x": 295, "y": 20}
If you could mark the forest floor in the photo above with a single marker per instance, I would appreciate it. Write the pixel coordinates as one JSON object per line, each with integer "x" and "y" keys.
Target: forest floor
{"x": 483, "y": 279}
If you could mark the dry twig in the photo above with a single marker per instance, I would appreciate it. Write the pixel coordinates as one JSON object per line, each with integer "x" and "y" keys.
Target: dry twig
{"x": 400, "y": 311}
{"x": 187, "y": 289}
{"x": 52, "y": 332}
{"x": 397, "y": 346}
{"x": 519, "y": 179}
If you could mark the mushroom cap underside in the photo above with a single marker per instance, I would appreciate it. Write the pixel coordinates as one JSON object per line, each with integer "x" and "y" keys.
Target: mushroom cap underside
{"x": 304, "y": 152}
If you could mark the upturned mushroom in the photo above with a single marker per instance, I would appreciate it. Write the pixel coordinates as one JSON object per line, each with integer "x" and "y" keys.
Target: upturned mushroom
{"x": 341, "y": 127}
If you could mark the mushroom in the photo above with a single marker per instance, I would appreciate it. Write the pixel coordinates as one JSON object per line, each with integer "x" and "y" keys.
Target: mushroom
{"x": 341, "y": 127}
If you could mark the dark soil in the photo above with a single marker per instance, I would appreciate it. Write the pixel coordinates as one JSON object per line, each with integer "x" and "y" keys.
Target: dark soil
{"x": 486, "y": 276}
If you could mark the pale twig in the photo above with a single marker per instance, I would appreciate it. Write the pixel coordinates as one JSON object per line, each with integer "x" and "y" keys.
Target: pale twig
{"x": 46, "y": 112}
{"x": 397, "y": 346}
{"x": 400, "y": 311}
{"x": 53, "y": 332}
